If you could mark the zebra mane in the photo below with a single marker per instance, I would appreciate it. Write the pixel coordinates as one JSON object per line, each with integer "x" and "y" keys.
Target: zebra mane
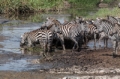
{"x": 110, "y": 17}
{"x": 116, "y": 24}
{"x": 105, "y": 20}
{"x": 36, "y": 30}
{"x": 57, "y": 22}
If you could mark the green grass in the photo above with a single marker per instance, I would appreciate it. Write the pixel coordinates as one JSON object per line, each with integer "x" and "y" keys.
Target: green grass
{"x": 103, "y": 12}
{"x": 44, "y": 5}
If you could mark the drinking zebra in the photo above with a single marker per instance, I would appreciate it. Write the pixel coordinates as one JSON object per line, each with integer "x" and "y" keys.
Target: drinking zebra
{"x": 29, "y": 38}
{"x": 43, "y": 37}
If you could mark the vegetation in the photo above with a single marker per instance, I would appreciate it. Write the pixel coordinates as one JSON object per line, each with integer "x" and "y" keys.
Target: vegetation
{"x": 103, "y": 12}
{"x": 28, "y": 6}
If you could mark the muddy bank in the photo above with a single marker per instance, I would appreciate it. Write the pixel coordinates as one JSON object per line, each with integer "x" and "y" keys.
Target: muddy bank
{"x": 89, "y": 64}
{"x": 98, "y": 61}
{"x": 39, "y": 75}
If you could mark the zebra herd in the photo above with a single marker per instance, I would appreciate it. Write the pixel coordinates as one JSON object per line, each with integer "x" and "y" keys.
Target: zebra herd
{"x": 77, "y": 30}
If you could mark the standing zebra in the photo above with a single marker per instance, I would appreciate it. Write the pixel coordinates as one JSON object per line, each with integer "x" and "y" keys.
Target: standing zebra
{"x": 66, "y": 31}
{"x": 101, "y": 34}
{"x": 45, "y": 37}
{"x": 112, "y": 19}
{"x": 112, "y": 32}
{"x": 115, "y": 36}
{"x": 92, "y": 30}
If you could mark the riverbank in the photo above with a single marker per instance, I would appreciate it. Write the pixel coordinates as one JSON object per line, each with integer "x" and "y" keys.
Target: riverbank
{"x": 84, "y": 64}
{"x": 31, "y": 6}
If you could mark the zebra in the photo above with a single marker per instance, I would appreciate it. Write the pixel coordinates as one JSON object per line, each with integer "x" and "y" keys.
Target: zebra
{"x": 66, "y": 31}
{"x": 101, "y": 34}
{"x": 29, "y": 38}
{"x": 88, "y": 28}
{"x": 112, "y": 19}
{"x": 45, "y": 37}
{"x": 116, "y": 35}
{"x": 112, "y": 32}
{"x": 92, "y": 30}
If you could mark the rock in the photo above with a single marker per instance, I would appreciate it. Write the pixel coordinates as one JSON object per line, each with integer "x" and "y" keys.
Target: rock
{"x": 102, "y": 5}
{"x": 119, "y": 5}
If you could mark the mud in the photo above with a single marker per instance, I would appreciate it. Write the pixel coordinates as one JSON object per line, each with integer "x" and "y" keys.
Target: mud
{"x": 100, "y": 61}
{"x": 85, "y": 64}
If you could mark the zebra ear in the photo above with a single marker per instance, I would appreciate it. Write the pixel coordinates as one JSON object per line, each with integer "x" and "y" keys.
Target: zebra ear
{"x": 87, "y": 22}
{"x": 77, "y": 17}
{"x": 93, "y": 21}
{"x": 97, "y": 18}
{"x": 48, "y": 18}
{"x": 118, "y": 22}
{"x": 21, "y": 36}
{"x": 83, "y": 19}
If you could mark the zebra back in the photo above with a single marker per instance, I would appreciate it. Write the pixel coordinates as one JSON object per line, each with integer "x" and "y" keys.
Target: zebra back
{"x": 116, "y": 30}
{"x": 45, "y": 37}
{"x": 112, "y": 19}
{"x": 106, "y": 26}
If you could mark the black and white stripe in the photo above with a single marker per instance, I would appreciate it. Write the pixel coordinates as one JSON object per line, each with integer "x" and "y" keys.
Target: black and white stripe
{"x": 112, "y": 19}
{"x": 111, "y": 32}
{"x": 45, "y": 37}
{"x": 29, "y": 38}
{"x": 65, "y": 31}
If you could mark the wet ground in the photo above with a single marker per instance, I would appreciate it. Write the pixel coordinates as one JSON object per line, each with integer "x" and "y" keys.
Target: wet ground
{"x": 18, "y": 63}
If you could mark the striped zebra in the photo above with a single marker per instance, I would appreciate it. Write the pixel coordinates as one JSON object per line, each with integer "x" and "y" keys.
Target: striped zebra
{"x": 66, "y": 31}
{"x": 115, "y": 35}
{"x": 112, "y": 32}
{"x": 101, "y": 34}
{"x": 112, "y": 19}
{"x": 92, "y": 30}
{"x": 88, "y": 28}
{"x": 45, "y": 37}
{"x": 29, "y": 38}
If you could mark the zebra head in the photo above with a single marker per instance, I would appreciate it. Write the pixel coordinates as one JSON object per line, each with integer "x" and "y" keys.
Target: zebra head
{"x": 49, "y": 23}
{"x": 24, "y": 39}
{"x": 79, "y": 19}
{"x": 52, "y": 24}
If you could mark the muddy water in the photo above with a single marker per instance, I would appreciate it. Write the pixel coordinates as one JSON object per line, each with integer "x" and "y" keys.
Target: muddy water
{"x": 13, "y": 58}
{"x": 10, "y": 33}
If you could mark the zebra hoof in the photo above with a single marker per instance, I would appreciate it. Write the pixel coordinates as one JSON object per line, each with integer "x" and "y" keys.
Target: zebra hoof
{"x": 99, "y": 46}
{"x": 114, "y": 55}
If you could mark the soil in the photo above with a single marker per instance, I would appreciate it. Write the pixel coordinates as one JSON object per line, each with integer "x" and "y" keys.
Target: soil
{"x": 85, "y": 62}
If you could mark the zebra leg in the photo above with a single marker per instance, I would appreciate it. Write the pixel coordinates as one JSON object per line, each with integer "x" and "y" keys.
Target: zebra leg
{"x": 94, "y": 40}
{"x": 44, "y": 47}
{"x": 102, "y": 35}
{"x": 115, "y": 45}
{"x": 100, "y": 40}
{"x": 105, "y": 42}
{"x": 29, "y": 42}
{"x": 62, "y": 41}
{"x": 49, "y": 46}
{"x": 76, "y": 43}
